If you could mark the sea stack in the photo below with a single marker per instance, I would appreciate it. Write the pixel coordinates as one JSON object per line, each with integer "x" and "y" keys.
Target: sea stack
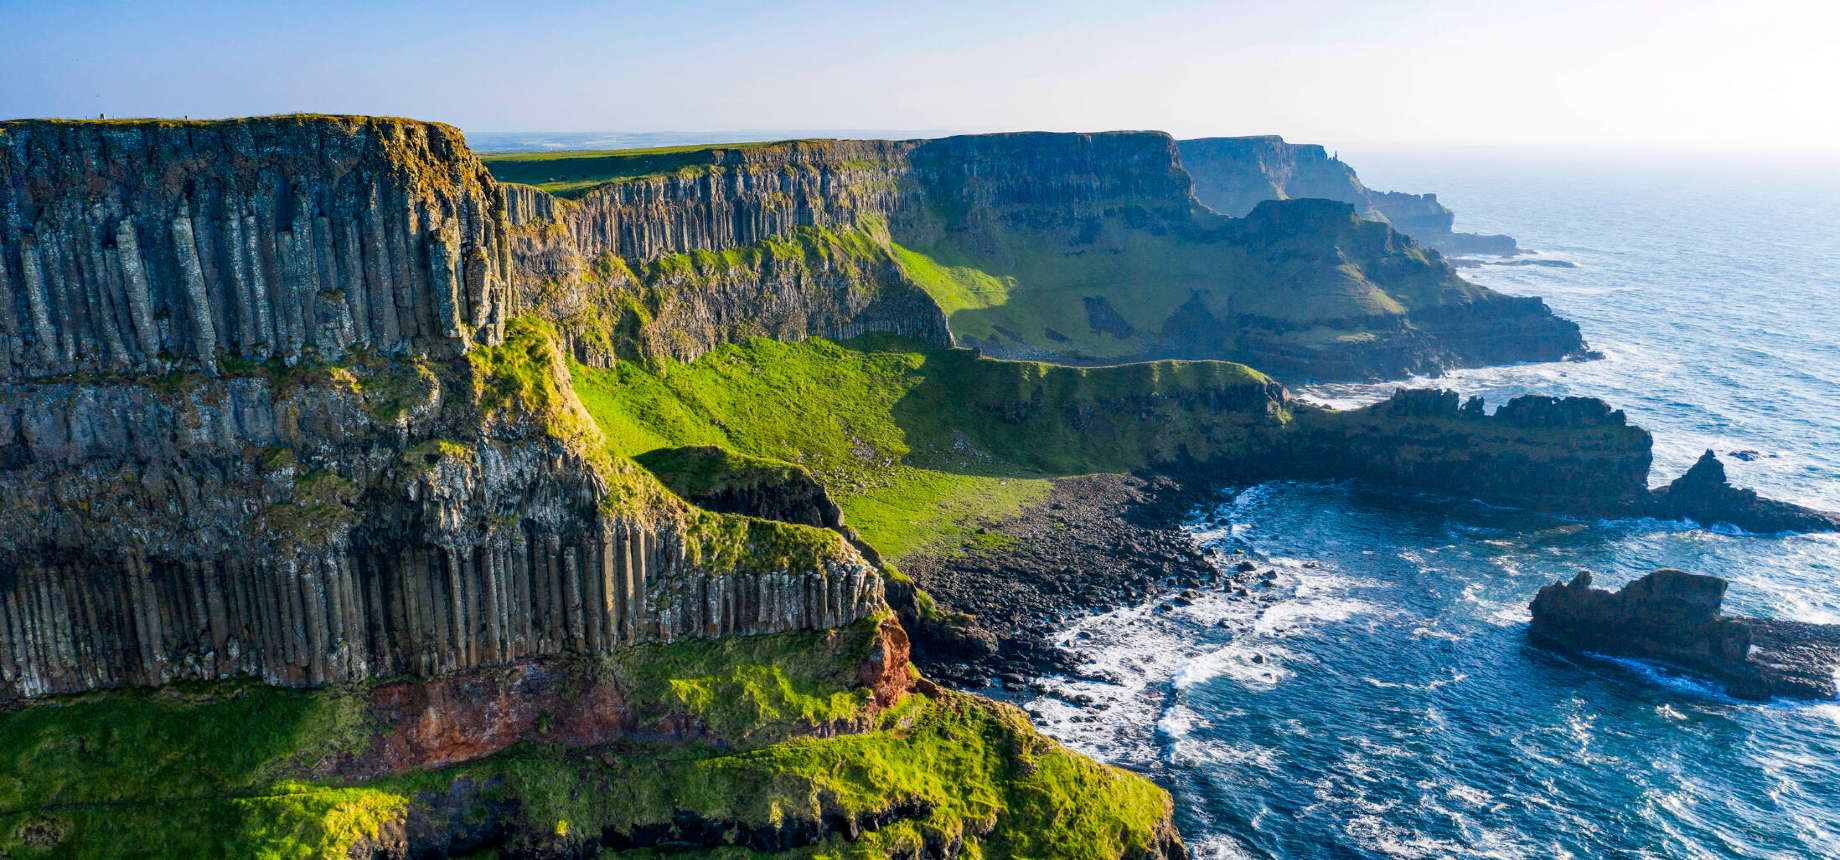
{"x": 1674, "y": 617}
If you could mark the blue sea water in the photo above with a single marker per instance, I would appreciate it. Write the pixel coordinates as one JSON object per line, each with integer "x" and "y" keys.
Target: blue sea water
{"x": 1384, "y": 700}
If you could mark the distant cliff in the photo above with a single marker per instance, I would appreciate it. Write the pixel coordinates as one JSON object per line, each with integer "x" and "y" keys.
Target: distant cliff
{"x": 1234, "y": 174}
{"x": 1078, "y": 248}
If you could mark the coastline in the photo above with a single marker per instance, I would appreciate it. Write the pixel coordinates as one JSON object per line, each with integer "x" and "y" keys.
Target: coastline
{"x": 1098, "y": 544}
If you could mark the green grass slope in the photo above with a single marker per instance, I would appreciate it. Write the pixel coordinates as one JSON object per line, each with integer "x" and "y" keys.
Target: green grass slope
{"x": 917, "y": 443}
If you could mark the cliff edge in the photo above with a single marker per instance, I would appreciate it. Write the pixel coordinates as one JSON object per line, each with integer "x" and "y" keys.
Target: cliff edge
{"x": 304, "y": 529}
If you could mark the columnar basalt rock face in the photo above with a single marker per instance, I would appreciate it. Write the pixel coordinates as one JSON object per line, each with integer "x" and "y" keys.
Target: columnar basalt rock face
{"x": 1234, "y": 174}
{"x": 786, "y": 242}
{"x": 740, "y": 197}
{"x": 431, "y": 503}
{"x": 1041, "y": 181}
{"x": 230, "y": 529}
{"x": 148, "y": 246}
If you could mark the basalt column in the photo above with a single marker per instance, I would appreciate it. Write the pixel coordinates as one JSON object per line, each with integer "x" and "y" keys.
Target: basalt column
{"x": 148, "y": 247}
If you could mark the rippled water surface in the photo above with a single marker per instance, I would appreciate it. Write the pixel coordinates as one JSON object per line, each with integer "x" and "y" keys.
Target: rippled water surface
{"x": 1381, "y": 697}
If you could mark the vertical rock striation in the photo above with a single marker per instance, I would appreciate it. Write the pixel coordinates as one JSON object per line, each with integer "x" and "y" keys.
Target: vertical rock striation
{"x": 1076, "y": 248}
{"x": 787, "y": 241}
{"x": 151, "y": 246}
{"x": 363, "y": 468}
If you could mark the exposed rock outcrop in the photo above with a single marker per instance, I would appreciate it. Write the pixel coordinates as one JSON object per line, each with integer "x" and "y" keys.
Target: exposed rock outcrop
{"x": 582, "y": 702}
{"x": 1703, "y": 494}
{"x": 787, "y": 241}
{"x": 721, "y": 480}
{"x": 1674, "y": 617}
{"x": 1574, "y": 454}
{"x": 1234, "y": 174}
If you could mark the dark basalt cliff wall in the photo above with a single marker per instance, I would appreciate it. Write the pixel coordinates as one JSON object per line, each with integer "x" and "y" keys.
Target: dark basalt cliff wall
{"x": 1573, "y": 455}
{"x": 1235, "y": 174}
{"x": 787, "y": 242}
{"x": 151, "y": 246}
{"x": 1075, "y": 248}
{"x": 192, "y": 488}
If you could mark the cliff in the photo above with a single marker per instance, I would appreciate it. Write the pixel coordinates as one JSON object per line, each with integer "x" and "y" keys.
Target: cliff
{"x": 276, "y": 440}
{"x": 433, "y": 501}
{"x": 673, "y": 255}
{"x": 1234, "y": 174}
{"x": 145, "y": 247}
{"x": 1076, "y": 248}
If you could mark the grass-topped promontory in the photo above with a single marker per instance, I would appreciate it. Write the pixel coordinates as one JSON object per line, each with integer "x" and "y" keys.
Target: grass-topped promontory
{"x": 914, "y": 441}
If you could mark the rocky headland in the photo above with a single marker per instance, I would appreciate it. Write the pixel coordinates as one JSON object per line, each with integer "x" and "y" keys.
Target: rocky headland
{"x": 1675, "y": 618}
{"x": 1234, "y": 174}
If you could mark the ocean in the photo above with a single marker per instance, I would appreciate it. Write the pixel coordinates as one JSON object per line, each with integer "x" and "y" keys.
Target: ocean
{"x": 1383, "y": 698}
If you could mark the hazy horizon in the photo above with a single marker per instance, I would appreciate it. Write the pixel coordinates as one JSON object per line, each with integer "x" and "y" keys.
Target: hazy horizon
{"x": 1618, "y": 75}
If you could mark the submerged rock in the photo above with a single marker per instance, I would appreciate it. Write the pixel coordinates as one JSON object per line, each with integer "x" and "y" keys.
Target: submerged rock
{"x": 1674, "y": 617}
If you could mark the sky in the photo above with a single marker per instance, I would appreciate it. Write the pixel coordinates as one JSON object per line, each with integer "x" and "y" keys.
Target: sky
{"x": 1687, "y": 75}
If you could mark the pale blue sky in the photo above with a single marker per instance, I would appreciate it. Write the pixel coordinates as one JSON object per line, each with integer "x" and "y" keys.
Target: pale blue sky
{"x": 1680, "y": 75}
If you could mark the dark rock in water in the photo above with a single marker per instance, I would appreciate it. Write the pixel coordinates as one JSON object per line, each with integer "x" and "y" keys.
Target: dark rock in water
{"x": 1704, "y": 495}
{"x": 1674, "y": 617}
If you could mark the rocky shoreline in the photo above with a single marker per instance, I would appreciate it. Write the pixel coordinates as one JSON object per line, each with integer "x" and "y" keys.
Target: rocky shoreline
{"x": 1098, "y": 543}
{"x": 1102, "y": 542}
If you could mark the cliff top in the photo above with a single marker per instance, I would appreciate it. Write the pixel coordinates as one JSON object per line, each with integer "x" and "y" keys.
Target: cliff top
{"x": 574, "y": 174}
{"x": 273, "y": 119}
{"x": 1250, "y": 142}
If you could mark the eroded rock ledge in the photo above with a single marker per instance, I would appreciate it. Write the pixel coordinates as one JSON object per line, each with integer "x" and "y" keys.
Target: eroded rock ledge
{"x": 1674, "y": 617}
